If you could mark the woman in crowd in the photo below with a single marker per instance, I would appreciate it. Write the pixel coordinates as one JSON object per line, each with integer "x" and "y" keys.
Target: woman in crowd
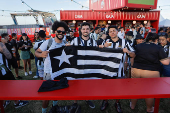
{"x": 138, "y": 40}
{"x": 165, "y": 69}
{"x": 147, "y": 64}
{"x": 25, "y": 45}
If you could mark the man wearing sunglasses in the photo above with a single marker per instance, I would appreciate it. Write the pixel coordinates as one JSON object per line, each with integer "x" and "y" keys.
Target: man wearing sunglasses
{"x": 59, "y": 28}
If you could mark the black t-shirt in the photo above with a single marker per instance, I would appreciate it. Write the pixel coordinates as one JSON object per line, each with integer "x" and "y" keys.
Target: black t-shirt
{"x": 80, "y": 32}
{"x": 70, "y": 38}
{"x": 100, "y": 41}
{"x": 139, "y": 30}
{"x": 9, "y": 47}
{"x": 148, "y": 56}
{"x": 28, "y": 43}
{"x": 14, "y": 44}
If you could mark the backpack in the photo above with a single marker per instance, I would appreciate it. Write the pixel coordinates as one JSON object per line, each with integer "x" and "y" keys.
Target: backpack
{"x": 48, "y": 46}
{"x": 49, "y": 43}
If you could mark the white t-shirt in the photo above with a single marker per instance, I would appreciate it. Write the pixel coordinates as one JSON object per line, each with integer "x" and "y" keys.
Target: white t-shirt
{"x": 43, "y": 47}
{"x": 121, "y": 35}
{"x": 142, "y": 29}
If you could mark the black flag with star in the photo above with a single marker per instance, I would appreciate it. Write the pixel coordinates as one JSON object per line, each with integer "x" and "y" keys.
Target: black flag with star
{"x": 79, "y": 62}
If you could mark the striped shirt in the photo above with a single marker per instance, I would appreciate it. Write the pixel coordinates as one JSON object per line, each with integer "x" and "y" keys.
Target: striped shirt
{"x": 78, "y": 41}
{"x": 3, "y": 62}
{"x": 167, "y": 49}
{"x": 121, "y": 43}
{"x": 94, "y": 36}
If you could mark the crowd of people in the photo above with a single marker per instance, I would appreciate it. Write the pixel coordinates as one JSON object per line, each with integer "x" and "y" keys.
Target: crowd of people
{"x": 143, "y": 57}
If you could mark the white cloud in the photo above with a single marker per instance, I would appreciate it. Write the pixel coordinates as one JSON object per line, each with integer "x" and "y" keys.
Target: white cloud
{"x": 85, "y": 3}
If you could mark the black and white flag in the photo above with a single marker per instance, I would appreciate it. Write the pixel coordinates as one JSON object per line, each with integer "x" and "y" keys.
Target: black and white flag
{"x": 79, "y": 62}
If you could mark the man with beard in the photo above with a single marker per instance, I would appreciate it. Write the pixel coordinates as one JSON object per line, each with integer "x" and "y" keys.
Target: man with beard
{"x": 12, "y": 49}
{"x": 117, "y": 43}
{"x": 59, "y": 28}
{"x": 84, "y": 40}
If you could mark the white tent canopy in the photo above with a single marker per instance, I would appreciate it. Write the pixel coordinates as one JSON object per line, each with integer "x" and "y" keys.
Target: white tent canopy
{"x": 164, "y": 23}
{"x": 161, "y": 18}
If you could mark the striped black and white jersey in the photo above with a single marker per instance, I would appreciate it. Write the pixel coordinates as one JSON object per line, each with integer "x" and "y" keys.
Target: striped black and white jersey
{"x": 121, "y": 43}
{"x": 167, "y": 49}
{"x": 38, "y": 44}
{"x": 78, "y": 41}
{"x": 3, "y": 64}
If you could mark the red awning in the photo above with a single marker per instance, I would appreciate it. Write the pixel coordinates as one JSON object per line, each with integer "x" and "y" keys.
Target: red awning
{"x": 108, "y": 15}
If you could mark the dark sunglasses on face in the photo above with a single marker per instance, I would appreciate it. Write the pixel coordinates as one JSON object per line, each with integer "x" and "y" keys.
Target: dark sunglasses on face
{"x": 59, "y": 31}
{"x": 162, "y": 34}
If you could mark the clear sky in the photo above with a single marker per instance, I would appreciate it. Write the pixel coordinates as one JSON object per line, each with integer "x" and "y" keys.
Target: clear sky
{"x": 51, "y": 5}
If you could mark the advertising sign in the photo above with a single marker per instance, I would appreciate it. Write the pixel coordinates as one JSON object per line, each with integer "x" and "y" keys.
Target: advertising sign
{"x": 144, "y": 2}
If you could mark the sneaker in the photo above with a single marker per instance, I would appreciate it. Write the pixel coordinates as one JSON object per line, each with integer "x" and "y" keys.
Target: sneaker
{"x": 19, "y": 77}
{"x": 6, "y": 103}
{"x": 118, "y": 107}
{"x": 104, "y": 105}
{"x": 26, "y": 74}
{"x": 90, "y": 103}
{"x": 35, "y": 77}
{"x": 20, "y": 104}
{"x": 151, "y": 111}
{"x": 30, "y": 72}
{"x": 75, "y": 108}
{"x": 59, "y": 109}
{"x": 20, "y": 67}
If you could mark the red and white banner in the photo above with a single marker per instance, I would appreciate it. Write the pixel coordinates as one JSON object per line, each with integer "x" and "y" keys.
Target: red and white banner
{"x": 28, "y": 31}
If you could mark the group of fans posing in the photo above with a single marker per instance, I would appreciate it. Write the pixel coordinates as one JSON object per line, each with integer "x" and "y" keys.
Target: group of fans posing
{"x": 146, "y": 58}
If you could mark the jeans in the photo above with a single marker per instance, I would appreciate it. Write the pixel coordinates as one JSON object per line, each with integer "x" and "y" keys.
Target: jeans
{"x": 36, "y": 59}
{"x": 165, "y": 70}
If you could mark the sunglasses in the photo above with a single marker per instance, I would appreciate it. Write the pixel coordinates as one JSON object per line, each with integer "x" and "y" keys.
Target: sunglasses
{"x": 59, "y": 31}
{"x": 163, "y": 34}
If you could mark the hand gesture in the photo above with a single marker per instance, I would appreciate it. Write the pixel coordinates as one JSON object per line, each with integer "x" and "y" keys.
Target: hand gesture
{"x": 106, "y": 44}
{"x": 44, "y": 54}
{"x": 125, "y": 50}
{"x": 68, "y": 44}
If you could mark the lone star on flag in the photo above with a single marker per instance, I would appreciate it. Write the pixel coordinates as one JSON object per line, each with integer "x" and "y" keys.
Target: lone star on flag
{"x": 63, "y": 58}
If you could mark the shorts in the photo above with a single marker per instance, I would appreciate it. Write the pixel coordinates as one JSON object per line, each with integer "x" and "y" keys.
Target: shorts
{"x": 25, "y": 55}
{"x": 7, "y": 76}
{"x": 13, "y": 62}
{"x": 47, "y": 76}
{"x": 18, "y": 56}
